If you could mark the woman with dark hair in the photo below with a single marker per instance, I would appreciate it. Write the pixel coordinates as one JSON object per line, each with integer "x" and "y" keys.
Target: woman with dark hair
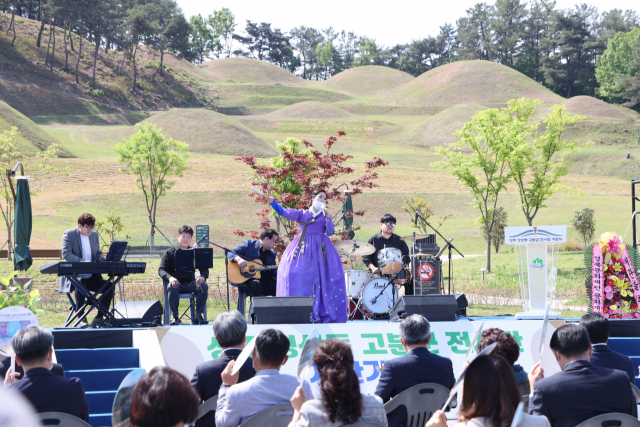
{"x": 490, "y": 397}
{"x": 341, "y": 401}
{"x": 311, "y": 265}
{"x": 163, "y": 398}
{"x": 509, "y": 349}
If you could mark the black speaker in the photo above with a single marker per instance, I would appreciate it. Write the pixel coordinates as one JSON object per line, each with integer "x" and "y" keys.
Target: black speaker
{"x": 436, "y": 308}
{"x": 462, "y": 304}
{"x": 282, "y": 310}
{"x": 137, "y": 312}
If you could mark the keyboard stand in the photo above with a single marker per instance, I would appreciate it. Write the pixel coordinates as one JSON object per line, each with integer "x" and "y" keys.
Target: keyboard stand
{"x": 94, "y": 302}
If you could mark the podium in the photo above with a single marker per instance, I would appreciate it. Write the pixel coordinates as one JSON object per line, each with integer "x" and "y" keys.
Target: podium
{"x": 537, "y": 250}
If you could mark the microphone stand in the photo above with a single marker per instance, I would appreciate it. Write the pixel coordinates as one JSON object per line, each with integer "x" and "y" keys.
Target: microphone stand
{"x": 446, "y": 244}
{"x": 226, "y": 267}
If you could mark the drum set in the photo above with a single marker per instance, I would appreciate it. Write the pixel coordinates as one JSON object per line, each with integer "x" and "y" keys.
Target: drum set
{"x": 372, "y": 295}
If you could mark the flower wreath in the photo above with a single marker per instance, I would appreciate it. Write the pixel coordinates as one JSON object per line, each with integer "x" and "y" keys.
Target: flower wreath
{"x": 613, "y": 289}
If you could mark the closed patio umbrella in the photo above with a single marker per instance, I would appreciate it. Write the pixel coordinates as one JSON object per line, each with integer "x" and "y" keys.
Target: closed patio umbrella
{"x": 22, "y": 222}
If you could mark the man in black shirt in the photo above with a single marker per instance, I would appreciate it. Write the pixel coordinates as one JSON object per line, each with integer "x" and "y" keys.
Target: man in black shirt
{"x": 387, "y": 239}
{"x": 183, "y": 281}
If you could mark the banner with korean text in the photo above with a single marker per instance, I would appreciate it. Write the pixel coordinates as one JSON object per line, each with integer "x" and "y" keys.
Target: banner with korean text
{"x": 184, "y": 347}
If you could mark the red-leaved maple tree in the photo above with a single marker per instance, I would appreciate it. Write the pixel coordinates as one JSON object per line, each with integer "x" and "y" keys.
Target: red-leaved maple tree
{"x": 294, "y": 175}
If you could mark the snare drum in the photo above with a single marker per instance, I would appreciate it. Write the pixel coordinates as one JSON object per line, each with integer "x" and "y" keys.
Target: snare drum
{"x": 377, "y": 297}
{"x": 355, "y": 280}
{"x": 390, "y": 260}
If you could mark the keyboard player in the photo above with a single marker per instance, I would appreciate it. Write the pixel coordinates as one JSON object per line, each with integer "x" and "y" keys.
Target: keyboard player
{"x": 82, "y": 244}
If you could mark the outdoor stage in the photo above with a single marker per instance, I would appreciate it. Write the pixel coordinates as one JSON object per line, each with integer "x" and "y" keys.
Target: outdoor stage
{"x": 103, "y": 357}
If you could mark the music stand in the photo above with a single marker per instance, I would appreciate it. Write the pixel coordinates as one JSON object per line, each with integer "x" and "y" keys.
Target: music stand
{"x": 193, "y": 259}
{"x": 116, "y": 251}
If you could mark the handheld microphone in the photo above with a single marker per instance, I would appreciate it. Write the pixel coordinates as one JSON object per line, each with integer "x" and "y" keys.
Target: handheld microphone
{"x": 202, "y": 239}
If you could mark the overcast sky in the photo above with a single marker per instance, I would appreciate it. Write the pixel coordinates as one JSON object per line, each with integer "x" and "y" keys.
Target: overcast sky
{"x": 389, "y": 22}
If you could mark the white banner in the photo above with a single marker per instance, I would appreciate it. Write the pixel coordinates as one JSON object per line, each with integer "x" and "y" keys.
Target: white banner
{"x": 373, "y": 342}
{"x": 536, "y": 234}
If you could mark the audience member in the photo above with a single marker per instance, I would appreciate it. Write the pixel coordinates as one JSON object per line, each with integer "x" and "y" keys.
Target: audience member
{"x": 163, "y": 398}
{"x": 490, "y": 397}
{"x": 230, "y": 331}
{"x": 46, "y": 392}
{"x": 509, "y": 349}
{"x": 56, "y": 369}
{"x": 580, "y": 391}
{"x": 239, "y": 402}
{"x": 419, "y": 366}
{"x": 598, "y": 328}
{"x": 341, "y": 401}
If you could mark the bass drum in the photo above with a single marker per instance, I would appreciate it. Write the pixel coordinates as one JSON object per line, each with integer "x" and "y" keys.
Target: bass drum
{"x": 355, "y": 280}
{"x": 373, "y": 300}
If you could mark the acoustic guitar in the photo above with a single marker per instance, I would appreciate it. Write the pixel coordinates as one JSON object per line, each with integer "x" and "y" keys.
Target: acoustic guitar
{"x": 239, "y": 275}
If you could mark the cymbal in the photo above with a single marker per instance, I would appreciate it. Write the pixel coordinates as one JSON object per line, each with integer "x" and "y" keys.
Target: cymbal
{"x": 416, "y": 236}
{"x": 354, "y": 248}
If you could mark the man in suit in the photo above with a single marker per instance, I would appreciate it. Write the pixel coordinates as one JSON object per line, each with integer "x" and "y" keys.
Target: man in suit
{"x": 46, "y": 392}
{"x": 257, "y": 249}
{"x": 239, "y": 402}
{"x": 82, "y": 244}
{"x": 183, "y": 281}
{"x": 598, "y": 328}
{"x": 581, "y": 390}
{"x": 230, "y": 330}
{"x": 417, "y": 367}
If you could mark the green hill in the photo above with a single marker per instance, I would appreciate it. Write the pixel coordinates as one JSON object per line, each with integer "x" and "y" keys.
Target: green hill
{"x": 311, "y": 110}
{"x": 32, "y": 138}
{"x": 480, "y": 82}
{"x": 438, "y": 130}
{"x": 209, "y": 132}
{"x": 371, "y": 81}
{"x": 593, "y": 108}
{"x": 249, "y": 70}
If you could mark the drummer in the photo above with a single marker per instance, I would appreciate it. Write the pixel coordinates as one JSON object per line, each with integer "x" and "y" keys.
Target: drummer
{"x": 387, "y": 239}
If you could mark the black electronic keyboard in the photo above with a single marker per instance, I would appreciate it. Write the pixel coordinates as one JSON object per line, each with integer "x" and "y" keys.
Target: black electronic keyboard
{"x": 119, "y": 268}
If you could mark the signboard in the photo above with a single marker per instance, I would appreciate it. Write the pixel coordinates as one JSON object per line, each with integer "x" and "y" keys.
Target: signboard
{"x": 202, "y": 231}
{"x": 536, "y": 234}
{"x": 372, "y": 343}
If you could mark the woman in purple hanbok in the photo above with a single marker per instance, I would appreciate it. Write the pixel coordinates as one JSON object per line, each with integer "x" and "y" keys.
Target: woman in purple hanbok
{"x": 311, "y": 265}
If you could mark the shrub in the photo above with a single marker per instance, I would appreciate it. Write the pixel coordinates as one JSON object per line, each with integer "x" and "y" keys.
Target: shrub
{"x": 585, "y": 224}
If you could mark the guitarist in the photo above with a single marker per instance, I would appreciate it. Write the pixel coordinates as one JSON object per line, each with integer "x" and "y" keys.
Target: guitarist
{"x": 257, "y": 250}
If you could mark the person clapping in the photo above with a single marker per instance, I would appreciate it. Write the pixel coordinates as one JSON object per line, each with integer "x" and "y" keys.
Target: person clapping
{"x": 341, "y": 401}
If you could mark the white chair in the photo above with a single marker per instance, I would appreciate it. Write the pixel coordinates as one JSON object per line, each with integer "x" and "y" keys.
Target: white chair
{"x": 276, "y": 416}
{"x": 421, "y": 401}
{"x": 636, "y": 392}
{"x": 61, "y": 419}
{"x": 611, "y": 420}
{"x": 208, "y": 406}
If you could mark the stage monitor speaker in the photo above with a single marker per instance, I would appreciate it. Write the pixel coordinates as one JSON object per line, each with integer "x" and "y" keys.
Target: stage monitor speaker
{"x": 462, "y": 304}
{"x": 138, "y": 312}
{"x": 436, "y": 308}
{"x": 282, "y": 310}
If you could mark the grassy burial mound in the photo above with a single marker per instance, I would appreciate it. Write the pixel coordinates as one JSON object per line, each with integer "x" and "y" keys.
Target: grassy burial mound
{"x": 438, "y": 130}
{"x": 372, "y": 81}
{"x": 593, "y": 108}
{"x": 479, "y": 82}
{"x": 209, "y": 132}
{"x": 248, "y": 70}
{"x": 310, "y": 110}
{"x": 32, "y": 138}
